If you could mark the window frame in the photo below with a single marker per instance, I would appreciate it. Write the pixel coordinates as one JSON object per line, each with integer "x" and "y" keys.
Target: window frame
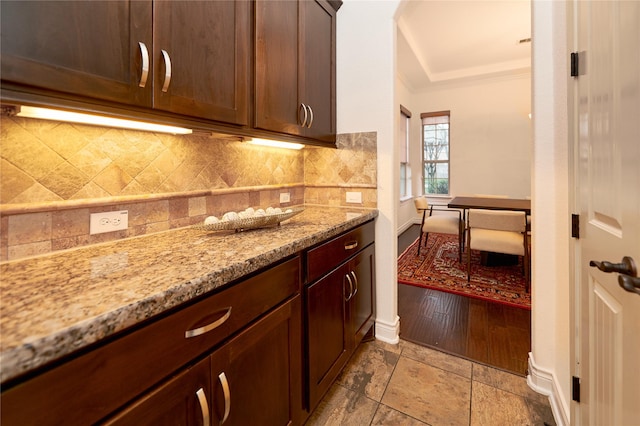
{"x": 431, "y": 115}
{"x": 403, "y": 146}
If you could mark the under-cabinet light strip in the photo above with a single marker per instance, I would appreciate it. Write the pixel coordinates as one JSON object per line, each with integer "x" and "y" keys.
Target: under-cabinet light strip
{"x": 275, "y": 144}
{"x": 98, "y": 120}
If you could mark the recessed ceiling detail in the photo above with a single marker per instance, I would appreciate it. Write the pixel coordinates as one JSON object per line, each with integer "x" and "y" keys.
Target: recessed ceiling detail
{"x": 440, "y": 42}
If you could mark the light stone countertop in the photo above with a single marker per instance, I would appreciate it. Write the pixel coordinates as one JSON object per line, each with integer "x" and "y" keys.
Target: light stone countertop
{"x": 53, "y": 305}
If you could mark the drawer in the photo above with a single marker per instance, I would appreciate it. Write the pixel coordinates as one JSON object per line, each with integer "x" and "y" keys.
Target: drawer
{"x": 325, "y": 257}
{"x": 90, "y": 386}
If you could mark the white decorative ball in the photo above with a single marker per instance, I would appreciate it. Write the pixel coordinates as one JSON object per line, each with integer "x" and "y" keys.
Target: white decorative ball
{"x": 210, "y": 220}
{"x": 230, "y": 216}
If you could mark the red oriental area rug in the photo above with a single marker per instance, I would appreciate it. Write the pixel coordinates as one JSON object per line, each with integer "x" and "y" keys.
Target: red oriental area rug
{"x": 438, "y": 268}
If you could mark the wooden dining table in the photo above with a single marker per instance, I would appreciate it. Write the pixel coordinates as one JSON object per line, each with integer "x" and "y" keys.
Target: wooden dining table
{"x": 491, "y": 203}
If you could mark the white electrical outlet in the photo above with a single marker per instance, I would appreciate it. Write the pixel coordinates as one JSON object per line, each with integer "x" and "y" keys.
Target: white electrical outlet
{"x": 285, "y": 197}
{"x": 354, "y": 197}
{"x": 100, "y": 223}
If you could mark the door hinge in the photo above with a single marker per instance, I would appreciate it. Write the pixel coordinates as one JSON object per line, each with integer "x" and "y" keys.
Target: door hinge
{"x": 575, "y": 388}
{"x": 575, "y": 226}
{"x": 574, "y": 64}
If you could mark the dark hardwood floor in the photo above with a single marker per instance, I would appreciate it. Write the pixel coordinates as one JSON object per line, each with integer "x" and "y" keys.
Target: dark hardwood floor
{"x": 489, "y": 333}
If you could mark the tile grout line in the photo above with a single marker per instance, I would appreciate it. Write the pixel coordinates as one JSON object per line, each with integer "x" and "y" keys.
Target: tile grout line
{"x": 471, "y": 393}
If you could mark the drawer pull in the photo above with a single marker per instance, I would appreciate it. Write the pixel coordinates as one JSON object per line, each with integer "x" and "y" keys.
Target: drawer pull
{"x": 204, "y": 329}
{"x": 351, "y": 246}
{"x": 167, "y": 70}
{"x": 355, "y": 279}
{"x": 145, "y": 64}
{"x": 204, "y": 406}
{"x": 227, "y": 396}
{"x": 347, "y": 298}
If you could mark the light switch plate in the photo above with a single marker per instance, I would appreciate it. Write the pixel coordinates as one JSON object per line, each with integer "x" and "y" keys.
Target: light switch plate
{"x": 285, "y": 197}
{"x": 99, "y": 223}
{"x": 354, "y": 197}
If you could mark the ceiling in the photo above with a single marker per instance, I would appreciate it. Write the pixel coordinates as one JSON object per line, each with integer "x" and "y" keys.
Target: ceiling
{"x": 444, "y": 42}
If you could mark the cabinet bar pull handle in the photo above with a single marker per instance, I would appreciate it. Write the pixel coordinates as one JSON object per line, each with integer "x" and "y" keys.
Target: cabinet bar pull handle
{"x": 350, "y": 246}
{"x": 145, "y": 64}
{"x": 346, "y": 299}
{"x": 204, "y": 329}
{"x": 304, "y": 108}
{"x": 227, "y": 396}
{"x": 311, "y": 116}
{"x": 355, "y": 280}
{"x": 204, "y": 406}
{"x": 167, "y": 70}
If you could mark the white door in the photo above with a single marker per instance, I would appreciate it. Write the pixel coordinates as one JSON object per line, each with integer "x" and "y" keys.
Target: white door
{"x": 608, "y": 199}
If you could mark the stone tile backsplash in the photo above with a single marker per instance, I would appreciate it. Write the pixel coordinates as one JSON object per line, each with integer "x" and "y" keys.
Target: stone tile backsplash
{"x": 53, "y": 175}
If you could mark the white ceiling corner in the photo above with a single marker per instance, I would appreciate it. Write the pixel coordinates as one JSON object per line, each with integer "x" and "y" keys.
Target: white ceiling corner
{"x": 448, "y": 41}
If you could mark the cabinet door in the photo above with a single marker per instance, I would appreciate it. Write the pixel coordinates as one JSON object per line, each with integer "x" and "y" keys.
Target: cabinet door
{"x": 256, "y": 377}
{"x": 207, "y": 46}
{"x": 295, "y": 68}
{"x": 327, "y": 332}
{"x": 317, "y": 68}
{"x": 362, "y": 303}
{"x": 182, "y": 400}
{"x": 90, "y": 49}
{"x": 276, "y": 97}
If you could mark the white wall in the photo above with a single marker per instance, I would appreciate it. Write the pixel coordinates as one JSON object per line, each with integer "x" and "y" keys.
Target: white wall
{"x": 549, "y": 363}
{"x": 491, "y": 137}
{"x": 365, "y": 68}
{"x": 366, "y": 102}
{"x": 490, "y": 134}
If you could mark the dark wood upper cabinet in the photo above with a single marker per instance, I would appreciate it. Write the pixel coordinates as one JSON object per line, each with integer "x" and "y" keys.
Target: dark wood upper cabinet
{"x": 295, "y": 68}
{"x": 78, "y": 47}
{"x": 208, "y": 46}
{"x": 186, "y": 62}
{"x": 190, "y": 58}
{"x": 317, "y": 81}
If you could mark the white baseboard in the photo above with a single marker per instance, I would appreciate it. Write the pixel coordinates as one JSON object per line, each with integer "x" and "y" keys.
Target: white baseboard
{"x": 389, "y": 333}
{"x": 408, "y": 225}
{"x": 544, "y": 382}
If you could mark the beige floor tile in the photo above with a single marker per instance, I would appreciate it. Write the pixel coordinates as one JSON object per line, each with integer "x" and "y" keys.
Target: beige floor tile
{"x": 506, "y": 381}
{"x": 429, "y": 394}
{"x": 386, "y": 416}
{"x": 341, "y": 406}
{"x": 496, "y": 407}
{"x": 369, "y": 370}
{"x": 436, "y": 358}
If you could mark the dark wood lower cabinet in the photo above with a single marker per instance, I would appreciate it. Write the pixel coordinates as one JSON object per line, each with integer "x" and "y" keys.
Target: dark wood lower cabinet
{"x": 253, "y": 379}
{"x": 239, "y": 356}
{"x": 257, "y": 376}
{"x": 339, "y": 312}
{"x": 183, "y": 400}
{"x": 362, "y": 304}
{"x": 327, "y": 332}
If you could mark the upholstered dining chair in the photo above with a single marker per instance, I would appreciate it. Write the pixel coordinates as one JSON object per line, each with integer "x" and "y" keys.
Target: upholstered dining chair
{"x": 498, "y": 231}
{"x": 445, "y": 223}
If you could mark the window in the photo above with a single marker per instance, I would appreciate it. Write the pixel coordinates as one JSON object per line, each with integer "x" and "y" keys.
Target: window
{"x": 435, "y": 152}
{"x": 403, "y": 153}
